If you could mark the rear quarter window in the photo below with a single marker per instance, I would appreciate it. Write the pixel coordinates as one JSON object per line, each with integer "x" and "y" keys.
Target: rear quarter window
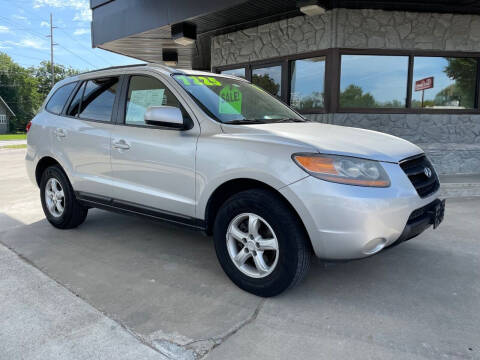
{"x": 59, "y": 98}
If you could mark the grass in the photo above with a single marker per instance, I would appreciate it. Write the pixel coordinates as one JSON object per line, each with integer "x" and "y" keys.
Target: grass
{"x": 21, "y": 146}
{"x": 13, "y": 137}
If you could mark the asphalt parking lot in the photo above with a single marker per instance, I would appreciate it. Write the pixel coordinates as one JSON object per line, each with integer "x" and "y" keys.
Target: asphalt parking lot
{"x": 420, "y": 300}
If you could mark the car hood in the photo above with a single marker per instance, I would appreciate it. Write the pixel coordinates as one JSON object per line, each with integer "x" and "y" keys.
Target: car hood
{"x": 330, "y": 139}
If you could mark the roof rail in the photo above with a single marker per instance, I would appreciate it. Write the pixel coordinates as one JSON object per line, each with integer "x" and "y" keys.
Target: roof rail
{"x": 115, "y": 67}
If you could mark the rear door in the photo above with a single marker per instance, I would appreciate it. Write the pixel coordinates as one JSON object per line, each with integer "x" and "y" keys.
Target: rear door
{"x": 85, "y": 135}
{"x": 153, "y": 167}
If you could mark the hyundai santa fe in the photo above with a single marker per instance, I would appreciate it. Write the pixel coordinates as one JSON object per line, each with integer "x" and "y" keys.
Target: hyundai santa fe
{"x": 218, "y": 154}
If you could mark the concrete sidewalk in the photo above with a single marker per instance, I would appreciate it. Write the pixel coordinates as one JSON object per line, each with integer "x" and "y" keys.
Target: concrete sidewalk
{"x": 12, "y": 142}
{"x": 40, "y": 319}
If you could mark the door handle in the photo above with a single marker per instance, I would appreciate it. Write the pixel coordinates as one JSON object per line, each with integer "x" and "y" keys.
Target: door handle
{"x": 60, "y": 133}
{"x": 121, "y": 145}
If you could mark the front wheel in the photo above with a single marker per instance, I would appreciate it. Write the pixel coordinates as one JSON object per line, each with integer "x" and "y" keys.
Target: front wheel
{"x": 260, "y": 243}
{"x": 59, "y": 204}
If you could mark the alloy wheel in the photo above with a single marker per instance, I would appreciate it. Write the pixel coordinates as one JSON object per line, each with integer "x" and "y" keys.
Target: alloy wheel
{"x": 252, "y": 245}
{"x": 54, "y": 197}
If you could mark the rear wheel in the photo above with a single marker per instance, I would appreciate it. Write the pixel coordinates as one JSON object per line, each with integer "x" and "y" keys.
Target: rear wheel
{"x": 59, "y": 204}
{"x": 260, "y": 243}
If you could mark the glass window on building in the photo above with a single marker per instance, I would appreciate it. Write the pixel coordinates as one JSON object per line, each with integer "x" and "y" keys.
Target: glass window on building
{"x": 443, "y": 82}
{"x": 307, "y": 85}
{"x": 269, "y": 79}
{"x": 235, "y": 72}
{"x": 373, "y": 81}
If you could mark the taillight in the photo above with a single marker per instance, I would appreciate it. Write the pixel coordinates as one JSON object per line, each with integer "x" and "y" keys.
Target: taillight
{"x": 29, "y": 125}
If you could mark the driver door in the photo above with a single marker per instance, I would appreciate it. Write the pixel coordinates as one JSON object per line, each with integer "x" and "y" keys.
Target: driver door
{"x": 153, "y": 167}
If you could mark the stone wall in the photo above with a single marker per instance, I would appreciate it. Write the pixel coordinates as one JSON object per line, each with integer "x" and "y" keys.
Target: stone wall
{"x": 285, "y": 37}
{"x": 406, "y": 30}
{"x": 348, "y": 28}
{"x": 451, "y": 141}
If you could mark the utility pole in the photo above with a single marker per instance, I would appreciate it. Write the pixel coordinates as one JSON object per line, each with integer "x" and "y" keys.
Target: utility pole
{"x": 51, "y": 49}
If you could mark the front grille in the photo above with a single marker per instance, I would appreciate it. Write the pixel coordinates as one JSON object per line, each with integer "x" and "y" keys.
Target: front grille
{"x": 415, "y": 170}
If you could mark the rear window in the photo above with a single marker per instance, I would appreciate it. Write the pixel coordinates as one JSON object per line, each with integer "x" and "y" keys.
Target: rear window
{"x": 59, "y": 98}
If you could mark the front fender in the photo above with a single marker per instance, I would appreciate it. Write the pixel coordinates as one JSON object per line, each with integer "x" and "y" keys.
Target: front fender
{"x": 221, "y": 159}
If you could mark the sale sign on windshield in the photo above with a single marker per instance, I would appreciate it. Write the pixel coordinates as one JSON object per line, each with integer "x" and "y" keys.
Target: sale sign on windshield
{"x": 424, "y": 84}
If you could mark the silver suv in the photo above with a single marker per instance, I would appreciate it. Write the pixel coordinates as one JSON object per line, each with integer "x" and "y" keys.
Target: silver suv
{"x": 220, "y": 155}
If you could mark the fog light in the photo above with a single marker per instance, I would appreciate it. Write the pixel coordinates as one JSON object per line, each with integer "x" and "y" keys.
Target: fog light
{"x": 374, "y": 246}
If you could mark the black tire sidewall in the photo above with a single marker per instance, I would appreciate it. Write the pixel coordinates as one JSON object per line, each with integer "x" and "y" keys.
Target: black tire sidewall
{"x": 69, "y": 197}
{"x": 289, "y": 233}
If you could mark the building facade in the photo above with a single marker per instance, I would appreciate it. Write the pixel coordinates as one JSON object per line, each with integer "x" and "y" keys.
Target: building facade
{"x": 317, "y": 61}
{"x": 5, "y": 114}
{"x": 408, "y": 69}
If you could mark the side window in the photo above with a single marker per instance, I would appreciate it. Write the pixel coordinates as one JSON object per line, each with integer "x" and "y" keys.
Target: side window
{"x": 98, "y": 98}
{"x": 75, "y": 103}
{"x": 143, "y": 92}
{"x": 59, "y": 98}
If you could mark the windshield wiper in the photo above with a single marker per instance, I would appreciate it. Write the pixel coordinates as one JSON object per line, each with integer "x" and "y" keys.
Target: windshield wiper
{"x": 245, "y": 121}
{"x": 290, "y": 120}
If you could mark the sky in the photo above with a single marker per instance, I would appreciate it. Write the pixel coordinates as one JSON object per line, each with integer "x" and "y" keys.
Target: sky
{"x": 385, "y": 77}
{"x": 25, "y": 24}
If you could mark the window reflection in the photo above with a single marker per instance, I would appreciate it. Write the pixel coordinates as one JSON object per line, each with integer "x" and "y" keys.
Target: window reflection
{"x": 307, "y": 85}
{"x": 235, "y": 72}
{"x": 373, "y": 81}
{"x": 268, "y": 78}
{"x": 59, "y": 98}
{"x": 98, "y": 99}
{"x": 443, "y": 83}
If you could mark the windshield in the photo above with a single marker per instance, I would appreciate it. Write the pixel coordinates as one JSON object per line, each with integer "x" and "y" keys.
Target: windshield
{"x": 235, "y": 101}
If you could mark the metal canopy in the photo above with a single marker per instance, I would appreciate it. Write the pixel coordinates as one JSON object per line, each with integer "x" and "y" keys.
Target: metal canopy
{"x": 142, "y": 29}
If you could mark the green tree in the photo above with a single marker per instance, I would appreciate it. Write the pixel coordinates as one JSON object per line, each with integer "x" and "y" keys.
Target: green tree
{"x": 43, "y": 74}
{"x": 266, "y": 83}
{"x": 313, "y": 101}
{"x": 353, "y": 96}
{"x": 19, "y": 89}
{"x": 447, "y": 95}
{"x": 392, "y": 104}
{"x": 463, "y": 71}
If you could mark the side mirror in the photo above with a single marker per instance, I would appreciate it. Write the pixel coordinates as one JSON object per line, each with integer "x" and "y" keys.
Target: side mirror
{"x": 167, "y": 116}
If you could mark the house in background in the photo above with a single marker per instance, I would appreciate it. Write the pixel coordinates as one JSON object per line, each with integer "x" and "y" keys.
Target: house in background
{"x": 5, "y": 114}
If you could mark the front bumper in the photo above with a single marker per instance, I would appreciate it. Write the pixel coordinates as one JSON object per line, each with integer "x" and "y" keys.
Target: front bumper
{"x": 421, "y": 219}
{"x": 351, "y": 222}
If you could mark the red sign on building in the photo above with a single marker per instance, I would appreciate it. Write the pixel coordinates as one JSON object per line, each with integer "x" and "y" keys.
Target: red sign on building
{"x": 424, "y": 84}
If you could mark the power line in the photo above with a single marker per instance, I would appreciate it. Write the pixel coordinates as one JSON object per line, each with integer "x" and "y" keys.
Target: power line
{"x": 69, "y": 36}
{"x": 85, "y": 47}
{"x": 34, "y": 33}
{"x": 30, "y": 31}
{"x": 25, "y": 56}
{"x": 71, "y": 52}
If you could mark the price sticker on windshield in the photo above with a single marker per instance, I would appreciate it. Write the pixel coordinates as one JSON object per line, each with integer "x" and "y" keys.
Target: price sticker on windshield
{"x": 230, "y": 100}
{"x": 199, "y": 80}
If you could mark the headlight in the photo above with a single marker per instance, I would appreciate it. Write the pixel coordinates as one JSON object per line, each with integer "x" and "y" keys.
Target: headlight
{"x": 343, "y": 169}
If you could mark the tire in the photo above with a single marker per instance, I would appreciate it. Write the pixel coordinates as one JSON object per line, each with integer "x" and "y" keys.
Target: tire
{"x": 264, "y": 215}
{"x": 53, "y": 181}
